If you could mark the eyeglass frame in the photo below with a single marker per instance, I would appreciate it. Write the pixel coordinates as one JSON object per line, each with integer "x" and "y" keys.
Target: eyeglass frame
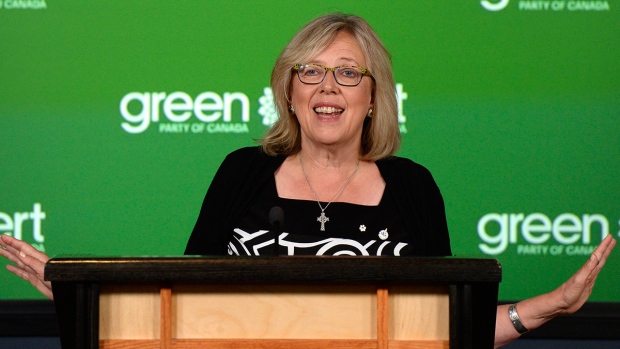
{"x": 365, "y": 72}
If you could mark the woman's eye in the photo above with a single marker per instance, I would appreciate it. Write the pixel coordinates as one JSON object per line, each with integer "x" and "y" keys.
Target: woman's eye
{"x": 348, "y": 73}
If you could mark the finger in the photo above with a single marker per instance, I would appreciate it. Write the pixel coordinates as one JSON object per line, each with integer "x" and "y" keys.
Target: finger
{"x": 9, "y": 240}
{"x": 24, "y": 247}
{"x": 610, "y": 247}
{"x": 26, "y": 272}
{"x": 590, "y": 270}
{"x": 34, "y": 277}
{"x": 29, "y": 251}
{"x": 19, "y": 272}
{"x": 603, "y": 251}
{"x": 605, "y": 244}
{"x": 33, "y": 265}
{"x": 6, "y": 244}
{"x": 11, "y": 254}
{"x": 43, "y": 286}
{"x": 2, "y": 237}
{"x": 38, "y": 255}
{"x": 46, "y": 291}
{"x": 23, "y": 252}
{"x": 28, "y": 267}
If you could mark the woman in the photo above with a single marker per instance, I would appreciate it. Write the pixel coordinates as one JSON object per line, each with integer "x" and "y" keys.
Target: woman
{"x": 328, "y": 165}
{"x": 328, "y": 161}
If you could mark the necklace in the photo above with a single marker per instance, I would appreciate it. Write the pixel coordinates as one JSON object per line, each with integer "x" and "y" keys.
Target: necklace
{"x": 323, "y": 218}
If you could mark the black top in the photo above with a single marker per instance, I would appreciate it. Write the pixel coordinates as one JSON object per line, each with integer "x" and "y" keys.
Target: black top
{"x": 354, "y": 230}
{"x": 416, "y": 208}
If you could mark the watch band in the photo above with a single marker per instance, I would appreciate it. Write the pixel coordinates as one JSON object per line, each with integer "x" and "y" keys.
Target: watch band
{"x": 516, "y": 321}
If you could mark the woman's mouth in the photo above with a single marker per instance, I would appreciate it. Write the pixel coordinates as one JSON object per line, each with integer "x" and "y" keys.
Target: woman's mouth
{"x": 328, "y": 112}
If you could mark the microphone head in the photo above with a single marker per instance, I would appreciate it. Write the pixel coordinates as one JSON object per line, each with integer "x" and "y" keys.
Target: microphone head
{"x": 276, "y": 216}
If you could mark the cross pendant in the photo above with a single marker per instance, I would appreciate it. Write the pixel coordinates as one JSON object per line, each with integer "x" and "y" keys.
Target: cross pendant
{"x": 322, "y": 219}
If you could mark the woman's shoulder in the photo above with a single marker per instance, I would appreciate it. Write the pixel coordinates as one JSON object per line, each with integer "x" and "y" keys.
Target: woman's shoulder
{"x": 396, "y": 165}
{"x": 250, "y": 159}
{"x": 246, "y": 153}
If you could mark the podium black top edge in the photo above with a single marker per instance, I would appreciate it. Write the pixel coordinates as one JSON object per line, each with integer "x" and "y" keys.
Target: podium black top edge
{"x": 273, "y": 269}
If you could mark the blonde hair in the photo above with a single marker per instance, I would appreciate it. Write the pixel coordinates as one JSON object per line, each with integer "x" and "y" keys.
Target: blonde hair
{"x": 380, "y": 134}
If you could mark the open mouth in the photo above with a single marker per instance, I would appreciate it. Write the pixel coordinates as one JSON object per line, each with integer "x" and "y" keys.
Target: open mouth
{"x": 328, "y": 112}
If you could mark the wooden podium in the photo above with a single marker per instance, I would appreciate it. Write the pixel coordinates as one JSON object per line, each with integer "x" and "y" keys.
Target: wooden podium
{"x": 275, "y": 302}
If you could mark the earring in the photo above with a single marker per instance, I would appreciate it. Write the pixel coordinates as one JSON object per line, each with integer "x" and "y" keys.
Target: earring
{"x": 292, "y": 109}
{"x": 369, "y": 113}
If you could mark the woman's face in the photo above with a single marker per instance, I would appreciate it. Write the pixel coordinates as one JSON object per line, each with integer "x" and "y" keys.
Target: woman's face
{"x": 331, "y": 114}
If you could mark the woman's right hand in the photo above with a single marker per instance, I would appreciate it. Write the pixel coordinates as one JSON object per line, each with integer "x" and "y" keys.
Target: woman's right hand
{"x": 29, "y": 263}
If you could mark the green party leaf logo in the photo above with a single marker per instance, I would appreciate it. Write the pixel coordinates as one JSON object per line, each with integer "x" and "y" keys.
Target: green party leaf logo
{"x": 267, "y": 107}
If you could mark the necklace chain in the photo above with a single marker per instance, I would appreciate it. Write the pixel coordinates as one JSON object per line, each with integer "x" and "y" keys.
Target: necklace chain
{"x": 316, "y": 197}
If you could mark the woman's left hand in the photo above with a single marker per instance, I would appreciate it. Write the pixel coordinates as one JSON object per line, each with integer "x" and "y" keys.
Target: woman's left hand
{"x": 576, "y": 290}
{"x": 566, "y": 299}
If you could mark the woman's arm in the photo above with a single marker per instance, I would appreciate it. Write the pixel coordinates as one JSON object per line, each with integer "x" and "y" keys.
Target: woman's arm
{"x": 29, "y": 263}
{"x": 566, "y": 299}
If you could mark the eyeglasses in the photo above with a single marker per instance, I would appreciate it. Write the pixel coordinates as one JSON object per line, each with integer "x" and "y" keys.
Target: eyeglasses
{"x": 313, "y": 74}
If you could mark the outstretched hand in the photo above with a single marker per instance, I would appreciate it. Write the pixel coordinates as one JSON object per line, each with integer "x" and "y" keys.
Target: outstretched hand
{"x": 566, "y": 299}
{"x": 29, "y": 263}
{"x": 576, "y": 290}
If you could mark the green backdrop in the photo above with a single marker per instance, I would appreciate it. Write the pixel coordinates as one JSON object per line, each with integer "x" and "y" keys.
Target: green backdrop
{"x": 114, "y": 116}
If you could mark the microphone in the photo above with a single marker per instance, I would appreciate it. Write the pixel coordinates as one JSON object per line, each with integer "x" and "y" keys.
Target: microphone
{"x": 276, "y": 218}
